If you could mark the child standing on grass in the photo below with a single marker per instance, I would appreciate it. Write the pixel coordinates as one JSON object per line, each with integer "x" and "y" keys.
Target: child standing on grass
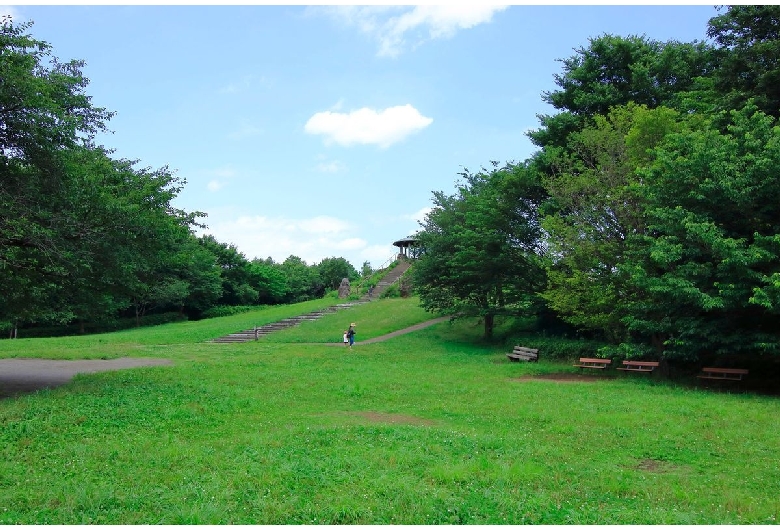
{"x": 346, "y": 339}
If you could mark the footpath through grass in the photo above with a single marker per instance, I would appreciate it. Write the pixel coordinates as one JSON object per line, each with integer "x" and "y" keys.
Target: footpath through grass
{"x": 426, "y": 428}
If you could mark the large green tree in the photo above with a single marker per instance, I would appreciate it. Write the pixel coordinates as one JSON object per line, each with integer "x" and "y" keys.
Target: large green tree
{"x": 198, "y": 268}
{"x": 44, "y": 111}
{"x": 112, "y": 220}
{"x": 333, "y": 270}
{"x": 154, "y": 234}
{"x": 595, "y": 209}
{"x": 482, "y": 245}
{"x": 237, "y": 288}
{"x": 613, "y": 71}
{"x": 81, "y": 233}
{"x": 303, "y": 281}
{"x": 708, "y": 267}
{"x": 269, "y": 280}
{"x": 659, "y": 227}
{"x": 43, "y": 101}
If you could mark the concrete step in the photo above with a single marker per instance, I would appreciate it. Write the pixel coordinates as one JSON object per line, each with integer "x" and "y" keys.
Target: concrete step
{"x": 249, "y": 334}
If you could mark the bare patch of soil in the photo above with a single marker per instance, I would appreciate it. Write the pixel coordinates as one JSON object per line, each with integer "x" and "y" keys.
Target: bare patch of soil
{"x": 654, "y": 466}
{"x": 648, "y": 464}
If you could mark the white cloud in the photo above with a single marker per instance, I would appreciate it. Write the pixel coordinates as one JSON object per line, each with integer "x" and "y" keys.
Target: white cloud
{"x": 440, "y": 21}
{"x": 392, "y": 27}
{"x": 322, "y": 225}
{"x": 352, "y": 243}
{"x": 368, "y": 126}
{"x": 419, "y": 215}
{"x": 9, "y": 11}
{"x": 312, "y": 239}
{"x": 222, "y": 175}
{"x": 378, "y": 255}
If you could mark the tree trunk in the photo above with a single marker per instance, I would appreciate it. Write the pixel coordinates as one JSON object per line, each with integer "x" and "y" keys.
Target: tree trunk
{"x": 658, "y": 343}
{"x": 489, "y": 326}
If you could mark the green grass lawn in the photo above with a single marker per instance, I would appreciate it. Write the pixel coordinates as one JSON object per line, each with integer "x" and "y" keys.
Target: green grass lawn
{"x": 431, "y": 427}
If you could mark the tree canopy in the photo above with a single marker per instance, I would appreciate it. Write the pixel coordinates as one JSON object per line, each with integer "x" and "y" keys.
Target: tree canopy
{"x": 654, "y": 222}
{"x": 88, "y": 237}
{"x": 748, "y": 58}
{"x": 481, "y": 246}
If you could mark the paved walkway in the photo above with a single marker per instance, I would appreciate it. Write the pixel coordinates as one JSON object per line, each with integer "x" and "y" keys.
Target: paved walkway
{"x": 20, "y": 375}
{"x": 404, "y": 331}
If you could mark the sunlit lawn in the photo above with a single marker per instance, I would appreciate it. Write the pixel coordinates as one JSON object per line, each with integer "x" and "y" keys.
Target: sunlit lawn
{"x": 426, "y": 428}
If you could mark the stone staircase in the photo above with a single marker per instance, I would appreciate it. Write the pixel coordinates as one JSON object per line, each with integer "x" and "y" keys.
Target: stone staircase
{"x": 257, "y": 332}
{"x": 389, "y": 279}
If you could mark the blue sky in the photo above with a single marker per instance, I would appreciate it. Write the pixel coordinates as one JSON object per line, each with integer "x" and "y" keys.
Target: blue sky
{"x": 322, "y": 131}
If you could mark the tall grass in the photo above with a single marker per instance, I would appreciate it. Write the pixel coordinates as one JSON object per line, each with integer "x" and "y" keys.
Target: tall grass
{"x": 425, "y": 428}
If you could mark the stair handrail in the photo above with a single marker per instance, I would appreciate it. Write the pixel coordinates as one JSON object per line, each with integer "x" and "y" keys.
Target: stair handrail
{"x": 386, "y": 263}
{"x": 398, "y": 279}
{"x": 401, "y": 275}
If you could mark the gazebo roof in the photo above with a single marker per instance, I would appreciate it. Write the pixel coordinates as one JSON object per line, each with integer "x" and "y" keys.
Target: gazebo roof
{"x": 405, "y": 242}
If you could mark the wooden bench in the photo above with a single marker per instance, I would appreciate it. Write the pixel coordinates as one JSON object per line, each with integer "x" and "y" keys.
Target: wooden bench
{"x": 521, "y": 353}
{"x": 639, "y": 366}
{"x": 600, "y": 364}
{"x": 728, "y": 374}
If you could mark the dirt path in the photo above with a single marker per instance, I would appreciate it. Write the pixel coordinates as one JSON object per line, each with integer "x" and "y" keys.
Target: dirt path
{"x": 404, "y": 331}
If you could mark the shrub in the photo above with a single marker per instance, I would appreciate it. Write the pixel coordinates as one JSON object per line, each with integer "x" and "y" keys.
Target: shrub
{"x": 627, "y": 351}
{"x": 157, "y": 319}
{"x": 106, "y": 326}
{"x": 391, "y": 292}
{"x": 334, "y": 294}
{"x": 559, "y": 347}
{"x": 228, "y": 310}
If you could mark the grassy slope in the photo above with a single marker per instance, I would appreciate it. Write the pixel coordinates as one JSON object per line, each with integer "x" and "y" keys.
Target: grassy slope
{"x": 372, "y": 319}
{"x": 148, "y": 340}
{"x": 425, "y": 428}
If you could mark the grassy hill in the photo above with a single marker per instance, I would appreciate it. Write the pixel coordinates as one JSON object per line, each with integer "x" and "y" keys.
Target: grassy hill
{"x": 431, "y": 427}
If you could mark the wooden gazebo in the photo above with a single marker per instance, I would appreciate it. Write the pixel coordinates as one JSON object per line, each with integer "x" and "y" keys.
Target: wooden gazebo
{"x": 406, "y": 247}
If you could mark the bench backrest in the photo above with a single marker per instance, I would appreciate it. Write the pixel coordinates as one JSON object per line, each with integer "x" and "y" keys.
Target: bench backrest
{"x": 640, "y": 363}
{"x": 742, "y": 371}
{"x": 588, "y": 360}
